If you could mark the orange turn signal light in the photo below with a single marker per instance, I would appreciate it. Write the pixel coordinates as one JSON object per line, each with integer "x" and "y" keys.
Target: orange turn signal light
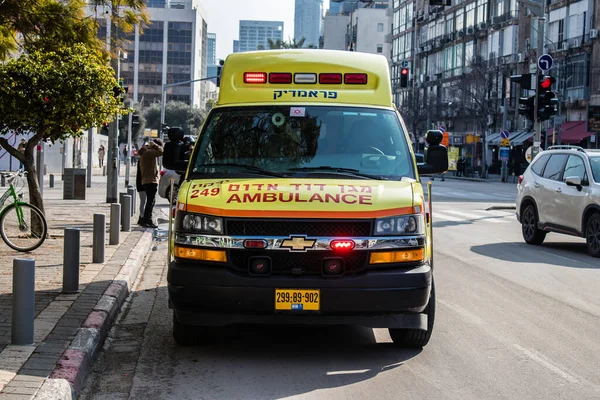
{"x": 402, "y": 256}
{"x": 200, "y": 254}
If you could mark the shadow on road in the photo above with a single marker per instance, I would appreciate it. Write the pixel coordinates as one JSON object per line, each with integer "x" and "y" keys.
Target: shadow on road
{"x": 293, "y": 360}
{"x": 562, "y": 254}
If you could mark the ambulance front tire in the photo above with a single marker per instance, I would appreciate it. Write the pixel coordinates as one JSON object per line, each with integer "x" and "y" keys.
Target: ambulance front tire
{"x": 416, "y": 338}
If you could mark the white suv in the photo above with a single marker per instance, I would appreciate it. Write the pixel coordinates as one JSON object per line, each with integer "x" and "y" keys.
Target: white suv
{"x": 560, "y": 192}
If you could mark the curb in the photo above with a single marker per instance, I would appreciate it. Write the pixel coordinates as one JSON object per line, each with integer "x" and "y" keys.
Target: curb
{"x": 501, "y": 208}
{"x": 67, "y": 378}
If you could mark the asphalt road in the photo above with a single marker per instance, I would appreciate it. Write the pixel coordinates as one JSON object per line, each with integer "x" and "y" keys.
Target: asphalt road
{"x": 513, "y": 322}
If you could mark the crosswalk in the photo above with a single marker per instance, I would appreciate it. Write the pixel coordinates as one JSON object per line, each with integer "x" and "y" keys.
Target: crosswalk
{"x": 447, "y": 213}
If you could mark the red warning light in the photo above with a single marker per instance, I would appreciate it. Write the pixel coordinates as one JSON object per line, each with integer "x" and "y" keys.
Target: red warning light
{"x": 546, "y": 83}
{"x": 342, "y": 244}
{"x": 404, "y": 71}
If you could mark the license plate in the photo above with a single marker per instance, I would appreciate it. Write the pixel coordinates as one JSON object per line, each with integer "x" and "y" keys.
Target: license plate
{"x": 298, "y": 299}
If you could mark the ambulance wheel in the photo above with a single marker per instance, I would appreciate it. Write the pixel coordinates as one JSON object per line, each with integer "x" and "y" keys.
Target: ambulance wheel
{"x": 189, "y": 335}
{"x": 416, "y": 338}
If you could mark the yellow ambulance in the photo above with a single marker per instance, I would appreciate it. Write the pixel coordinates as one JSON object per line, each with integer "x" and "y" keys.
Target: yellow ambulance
{"x": 301, "y": 202}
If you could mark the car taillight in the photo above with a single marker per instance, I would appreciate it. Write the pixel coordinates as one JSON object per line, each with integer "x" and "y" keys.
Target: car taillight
{"x": 342, "y": 245}
{"x": 163, "y": 172}
{"x": 255, "y": 77}
{"x": 280, "y": 77}
{"x": 355, "y": 79}
{"x": 305, "y": 78}
{"x": 327, "y": 79}
{"x": 520, "y": 179}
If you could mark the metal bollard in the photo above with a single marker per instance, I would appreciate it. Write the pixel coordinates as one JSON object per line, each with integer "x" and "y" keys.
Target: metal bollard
{"x": 126, "y": 213}
{"x": 131, "y": 192}
{"x": 115, "y": 218}
{"x": 23, "y": 301}
{"x": 71, "y": 261}
{"x": 51, "y": 180}
{"x": 104, "y": 170}
{"x": 121, "y": 202}
{"x": 99, "y": 238}
{"x": 3, "y": 180}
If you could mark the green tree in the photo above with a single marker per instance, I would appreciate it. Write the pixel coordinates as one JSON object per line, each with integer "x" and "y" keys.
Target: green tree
{"x": 137, "y": 130}
{"x": 53, "y": 95}
{"x": 283, "y": 44}
{"x": 177, "y": 113}
{"x": 48, "y": 25}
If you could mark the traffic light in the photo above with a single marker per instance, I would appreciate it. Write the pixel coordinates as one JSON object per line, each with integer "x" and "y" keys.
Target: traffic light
{"x": 219, "y": 69}
{"x": 404, "y": 77}
{"x": 120, "y": 91}
{"x": 526, "y": 107}
{"x": 547, "y": 100}
{"x": 526, "y": 81}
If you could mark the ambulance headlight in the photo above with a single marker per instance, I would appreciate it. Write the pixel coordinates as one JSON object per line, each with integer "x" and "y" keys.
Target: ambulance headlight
{"x": 202, "y": 224}
{"x": 403, "y": 225}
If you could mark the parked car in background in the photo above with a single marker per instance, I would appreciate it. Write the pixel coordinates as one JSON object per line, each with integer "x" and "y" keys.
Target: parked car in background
{"x": 164, "y": 184}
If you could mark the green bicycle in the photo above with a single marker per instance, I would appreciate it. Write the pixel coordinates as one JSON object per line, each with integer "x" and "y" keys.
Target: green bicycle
{"x": 23, "y": 226}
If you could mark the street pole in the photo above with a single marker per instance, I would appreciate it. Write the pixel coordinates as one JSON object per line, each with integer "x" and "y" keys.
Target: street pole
{"x": 112, "y": 172}
{"x": 504, "y": 174}
{"x": 89, "y": 157}
{"x": 537, "y": 137}
{"x": 40, "y": 167}
{"x": 128, "y": 159}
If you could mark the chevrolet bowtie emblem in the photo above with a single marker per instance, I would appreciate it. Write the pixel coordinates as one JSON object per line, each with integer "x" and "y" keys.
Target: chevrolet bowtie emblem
{"x": 298, "y": 243}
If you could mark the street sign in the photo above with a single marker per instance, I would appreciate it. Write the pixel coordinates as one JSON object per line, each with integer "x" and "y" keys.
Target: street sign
{"x": 504, "y": 153}
{"x": 529, "y": 154}
{"x": 404, "y": 64}
{"x": 505, "y": 134}
{"x": 545, "y": 62}
{"x": 505, "y": 142}
{"x": 442, "y": 128}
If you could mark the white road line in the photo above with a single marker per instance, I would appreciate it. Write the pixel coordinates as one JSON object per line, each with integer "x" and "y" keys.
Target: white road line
{"x": 477, "y": 217}
{"x": 546, "y": 363}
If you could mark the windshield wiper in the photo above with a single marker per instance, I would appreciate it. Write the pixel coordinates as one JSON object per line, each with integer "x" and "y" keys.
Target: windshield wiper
{"x": 249, "y": 168}
{"x": 328, "y": 168}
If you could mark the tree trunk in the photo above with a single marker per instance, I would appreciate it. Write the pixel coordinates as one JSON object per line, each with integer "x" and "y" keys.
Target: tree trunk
{"x": 35, "y": 195}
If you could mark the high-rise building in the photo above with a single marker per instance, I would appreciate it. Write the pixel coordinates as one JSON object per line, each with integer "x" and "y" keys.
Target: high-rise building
{"x": 211, "y": 49}
{"x": 335, "y": 8}
{"x": 307, "y": 21}
{"x": 171, "y": 49}
{"x": 256, "y": 33}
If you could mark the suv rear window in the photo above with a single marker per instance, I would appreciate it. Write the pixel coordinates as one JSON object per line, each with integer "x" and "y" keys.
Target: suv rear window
{"x": 538, "y": 166}
{"x": 555, "y": 165}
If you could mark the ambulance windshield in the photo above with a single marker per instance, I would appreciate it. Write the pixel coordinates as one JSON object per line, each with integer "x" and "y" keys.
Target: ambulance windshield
{"x": 315, "y": 141}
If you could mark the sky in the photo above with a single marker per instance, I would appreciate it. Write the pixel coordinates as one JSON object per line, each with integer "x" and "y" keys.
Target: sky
{"x": 223, "y": 18}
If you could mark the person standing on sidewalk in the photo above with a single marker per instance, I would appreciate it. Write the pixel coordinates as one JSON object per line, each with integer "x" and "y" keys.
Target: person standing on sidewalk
{"x": 101, "y": 152}
{"x": 149, "y": 168}
{"x": 140, "y": 188}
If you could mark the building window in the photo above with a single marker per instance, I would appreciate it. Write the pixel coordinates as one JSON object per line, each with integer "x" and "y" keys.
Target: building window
{"x": 379, "y": 48}
{"x": 379, "y": 27}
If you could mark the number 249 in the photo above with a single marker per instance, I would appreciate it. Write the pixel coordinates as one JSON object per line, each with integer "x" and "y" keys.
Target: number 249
{"x": 206, "y": 192}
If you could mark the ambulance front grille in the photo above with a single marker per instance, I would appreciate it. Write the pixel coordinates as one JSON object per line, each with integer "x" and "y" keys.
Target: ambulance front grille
{"x": 289, "y": 263}
{"x": 287, "y": 227}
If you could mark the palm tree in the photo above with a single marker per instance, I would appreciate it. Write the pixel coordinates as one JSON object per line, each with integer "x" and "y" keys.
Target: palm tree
{"x": 284, "y": 44}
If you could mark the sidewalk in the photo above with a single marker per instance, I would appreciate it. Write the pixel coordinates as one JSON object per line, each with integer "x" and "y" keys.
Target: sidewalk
{"x": 68, "y": 329}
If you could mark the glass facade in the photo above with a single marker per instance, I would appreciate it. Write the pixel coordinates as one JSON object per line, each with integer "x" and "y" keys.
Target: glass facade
{"x": 256, "y": 33}
{"x": 179, "y": 60}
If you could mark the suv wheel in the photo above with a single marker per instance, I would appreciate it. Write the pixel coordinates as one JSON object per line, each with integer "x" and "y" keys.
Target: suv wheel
{"x": 592, "y": 235}
{"x": 416, "y": 338}
{"x": 529, "y": 226}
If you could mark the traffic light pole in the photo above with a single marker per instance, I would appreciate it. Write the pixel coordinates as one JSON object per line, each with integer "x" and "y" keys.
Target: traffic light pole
{"x": 129, "y": 152}
{"x": 537, "y": 137}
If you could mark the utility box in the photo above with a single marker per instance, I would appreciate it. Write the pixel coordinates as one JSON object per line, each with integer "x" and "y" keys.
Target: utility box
{"x": 74, "y": 184}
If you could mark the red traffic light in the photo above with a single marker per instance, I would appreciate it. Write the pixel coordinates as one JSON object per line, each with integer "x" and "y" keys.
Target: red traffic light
{"x": 547, "y": 82}
{"x": 404, "y": 71}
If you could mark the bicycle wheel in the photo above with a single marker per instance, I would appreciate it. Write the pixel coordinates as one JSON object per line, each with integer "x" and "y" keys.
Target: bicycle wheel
{"x": 24, "y": 232}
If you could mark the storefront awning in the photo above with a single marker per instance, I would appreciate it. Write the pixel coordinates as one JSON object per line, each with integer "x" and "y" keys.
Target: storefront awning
{"x": 516, "y": 139}
{"x": 572, "y": 132}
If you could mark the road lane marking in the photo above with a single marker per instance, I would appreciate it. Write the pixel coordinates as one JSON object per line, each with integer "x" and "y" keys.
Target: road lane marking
{"x": 475, "y": 217}
{"x": 546, "y": 363}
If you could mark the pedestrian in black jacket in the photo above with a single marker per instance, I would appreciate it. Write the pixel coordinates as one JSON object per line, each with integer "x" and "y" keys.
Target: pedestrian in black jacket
{"x": 140, "y": 189}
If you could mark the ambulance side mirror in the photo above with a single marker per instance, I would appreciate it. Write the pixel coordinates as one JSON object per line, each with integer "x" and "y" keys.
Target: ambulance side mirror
{"x": 436, "y": 155}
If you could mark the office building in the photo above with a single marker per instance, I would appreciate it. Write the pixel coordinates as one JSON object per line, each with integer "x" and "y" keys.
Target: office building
{"x": 253, "y": 34}
{"x": 171, "y": 49}
{"x": 307, "y": 21}
{"x": 211, "y": 49}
